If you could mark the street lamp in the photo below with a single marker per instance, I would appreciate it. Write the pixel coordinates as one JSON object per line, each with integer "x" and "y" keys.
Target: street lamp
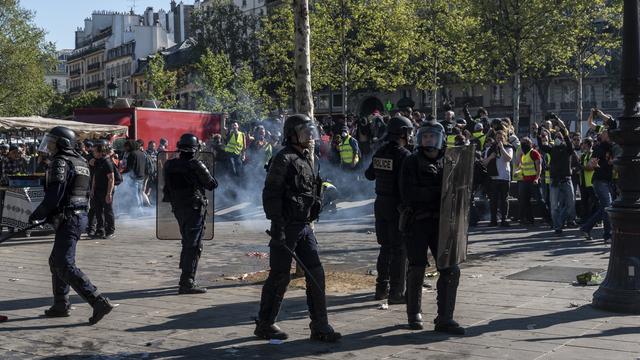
{"x": 112, "y": 91}
{"x": 620, "y": 291}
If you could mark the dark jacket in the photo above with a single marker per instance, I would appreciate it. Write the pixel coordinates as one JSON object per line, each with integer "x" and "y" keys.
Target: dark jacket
{"x": 385, "y": 169}
{"x": 186, "y": 181}
{"x": 421, "y": 183}
{"x": 136, "y": 164}
{"x": 292, "y": 188}
{"x": 561, "y": 155}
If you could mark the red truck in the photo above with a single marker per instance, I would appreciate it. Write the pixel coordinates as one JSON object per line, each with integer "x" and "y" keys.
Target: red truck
{"x": 152, "y": 124}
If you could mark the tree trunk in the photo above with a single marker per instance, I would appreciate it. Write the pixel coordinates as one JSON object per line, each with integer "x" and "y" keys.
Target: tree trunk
{"x": 516, "y": 100}
{"x": 578, "y": 126}
{"x": 434, "y": 91}
{"x": 302, "y": 69}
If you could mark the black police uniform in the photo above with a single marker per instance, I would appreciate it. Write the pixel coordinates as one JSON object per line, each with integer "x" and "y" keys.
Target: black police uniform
{"x": 392, "y": 260}
{"x": 186, "y": 179}
{"x": 65, "y": 206}
{"x": 421, "y": 187}
{"x": 291, "y": 200}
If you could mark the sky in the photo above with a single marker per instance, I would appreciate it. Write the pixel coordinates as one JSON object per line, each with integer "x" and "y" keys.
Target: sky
{"x": 60, "y": 18}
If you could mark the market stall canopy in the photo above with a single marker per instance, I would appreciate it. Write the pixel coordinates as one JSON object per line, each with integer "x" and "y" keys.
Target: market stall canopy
{"x": 40, "y": 124}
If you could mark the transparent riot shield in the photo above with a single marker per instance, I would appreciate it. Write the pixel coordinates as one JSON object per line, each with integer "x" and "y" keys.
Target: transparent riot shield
{"x": 457, "y": 183}
{"x": 167, "y": 227}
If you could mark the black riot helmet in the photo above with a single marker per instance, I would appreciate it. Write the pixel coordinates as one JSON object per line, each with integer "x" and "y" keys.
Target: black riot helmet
{"x": 58, "y": 138}
{"x": 431, "y": 136}
{"x": 299, "y": 130}
{"x": 398, "y": 127}
{"x": 188, "y": 143}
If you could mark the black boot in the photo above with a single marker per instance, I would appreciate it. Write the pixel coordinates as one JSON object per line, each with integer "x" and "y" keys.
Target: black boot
{"x": 415, "y": 278}
{"x": 270, "y": 302}
{"x": 189, "y": 286}
{"x": 382, "y": 291}
{"x": 317, "y": 303}
{"x": 101, "y": 307}
{"x": 398, "y": 276}
{"x": 447, "y": 290}
{"x": 57, "y": 310}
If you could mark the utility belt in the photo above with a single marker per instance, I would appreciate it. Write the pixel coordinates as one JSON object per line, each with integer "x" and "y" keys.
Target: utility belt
{"x": 67, "y": 213}
{"x": 408, "y": 216}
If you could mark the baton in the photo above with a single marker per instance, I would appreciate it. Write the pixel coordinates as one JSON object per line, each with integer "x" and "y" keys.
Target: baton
{"x": 7, "y": 237}
{"x": 302, "y": 265}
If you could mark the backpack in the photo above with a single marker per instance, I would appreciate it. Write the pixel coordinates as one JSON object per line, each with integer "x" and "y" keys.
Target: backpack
{"x": 150, "y": 166}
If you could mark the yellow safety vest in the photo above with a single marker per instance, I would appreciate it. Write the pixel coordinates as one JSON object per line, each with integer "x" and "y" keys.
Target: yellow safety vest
{"x": 527, "y": 165}
{"x": 235, "y": 145}
{"x": 451, "y": 140}
{"x": 547, "y": 173}
{"x": 346, "y": 151}
{"x": 587, "y": 175}
{"x": 479, "y": 135}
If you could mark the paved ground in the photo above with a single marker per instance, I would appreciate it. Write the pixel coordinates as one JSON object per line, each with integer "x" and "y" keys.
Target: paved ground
{"x": 505, "y": 318}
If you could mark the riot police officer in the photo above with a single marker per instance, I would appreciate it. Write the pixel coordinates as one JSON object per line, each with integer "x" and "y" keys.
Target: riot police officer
{"x": 420, "y": 188}
{"x": 65, "y": 207}
{"x": 291, "y": 200}
{"x": 385, "y": 170}
{"x": 186, "y": 179}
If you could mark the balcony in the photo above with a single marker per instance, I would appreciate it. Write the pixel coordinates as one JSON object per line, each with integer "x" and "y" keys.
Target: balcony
{"x": 568, "y": 105}
{"x": 95, "y": 84}
{"x": 75, "y": 89}
{"x": 548, "y": 106}
{"x": 589, "y": 104}
{"x": 75, "y": 72}
{"x": 94, "y": 66}
{"x": 80, "y": 53}
{"x": 612, "y": 104}
{"x": 473, "y": 101}
{"x": 495, "y": 102}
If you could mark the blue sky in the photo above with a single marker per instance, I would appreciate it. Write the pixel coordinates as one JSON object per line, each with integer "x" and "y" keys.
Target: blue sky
{"x": 60, "y": 18}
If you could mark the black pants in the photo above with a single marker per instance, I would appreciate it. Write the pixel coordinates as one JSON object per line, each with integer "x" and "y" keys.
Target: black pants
{"x": 498, "y": 193}
{"x": 62, "y": 262}
{"x": 191, "y": 225}
{"x": 301, "y": 239}
{"x": 526, "y": 190}
{"x": 392, "y": 264}
{"x": 588, "y": 202}
{"x": 105, "y": 220}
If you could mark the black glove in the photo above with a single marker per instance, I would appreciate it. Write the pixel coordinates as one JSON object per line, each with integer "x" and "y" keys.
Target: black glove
{"x": 278, "y": 237}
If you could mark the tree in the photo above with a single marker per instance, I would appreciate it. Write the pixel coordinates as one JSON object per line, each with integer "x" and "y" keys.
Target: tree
{"x": 515, "y": 34}
{"x": 302, "y": 70}
{"x": 24, "y": 57}
{"x": 62, "y": 105}
{"x": 216, "y": 76}
{"x": 592, "y": 33}
{"x": 443, "y": 49}
{"x": 276, "y": 38}
{"x": 161, "y": 83}
{"x": 223, "y": 27}
{"x": 360, "y": 45}
{"x": 230, "y": 90}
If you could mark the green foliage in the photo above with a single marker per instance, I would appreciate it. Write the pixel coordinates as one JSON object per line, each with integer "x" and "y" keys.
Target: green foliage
{"x": 224, "y": 28}
{"x": 230, "y": 90}
{"x": 276, "y": 37}
{"x": 63, "y": 105}
{"x": 162, "y": 84}
{"x": 24, "y": 57}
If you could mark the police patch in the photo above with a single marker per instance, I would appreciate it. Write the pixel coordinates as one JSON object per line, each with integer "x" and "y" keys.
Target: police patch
{"x": 81, "y": 170}
{"x": 383, "y": 164}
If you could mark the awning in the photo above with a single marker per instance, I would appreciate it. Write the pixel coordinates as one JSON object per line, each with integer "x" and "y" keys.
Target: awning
{"x": 40, "y": 124}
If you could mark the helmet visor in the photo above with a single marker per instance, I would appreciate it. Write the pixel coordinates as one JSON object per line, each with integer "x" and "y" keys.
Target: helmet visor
{"x": 306, "y": 133}
{"x": 430, "y": 140}
{"x": 48, "y": 144}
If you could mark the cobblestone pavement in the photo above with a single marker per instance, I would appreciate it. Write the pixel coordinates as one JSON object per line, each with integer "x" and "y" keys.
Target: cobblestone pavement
{"x": 505, "y": 318}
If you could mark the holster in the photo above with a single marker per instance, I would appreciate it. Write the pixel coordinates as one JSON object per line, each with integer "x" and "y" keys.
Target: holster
{"x": 406, "y": 218}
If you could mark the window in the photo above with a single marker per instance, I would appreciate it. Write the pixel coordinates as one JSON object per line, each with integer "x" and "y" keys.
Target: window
{"x": 323, "y": 102}
{"x": 497, "y": 93}
{"x": 337, "y": 100}
{"x": 426, "y": 96}
{"x": 244, "y": 3}
{"x": 55, "y": 83}
{"x": 568, "y": 94}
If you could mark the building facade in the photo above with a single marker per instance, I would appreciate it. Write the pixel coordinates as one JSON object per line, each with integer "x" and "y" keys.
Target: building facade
{"x": 58, "y": 77}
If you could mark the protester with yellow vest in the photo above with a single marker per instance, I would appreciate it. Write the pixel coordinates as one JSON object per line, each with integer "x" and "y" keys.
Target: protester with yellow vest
{"x": 558, "y": 150}
{"x": 235, "y": 149}
{"x": 530, "y": 168}
{"x": 587, "y": 195}
{"x": 348, "y": 149}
